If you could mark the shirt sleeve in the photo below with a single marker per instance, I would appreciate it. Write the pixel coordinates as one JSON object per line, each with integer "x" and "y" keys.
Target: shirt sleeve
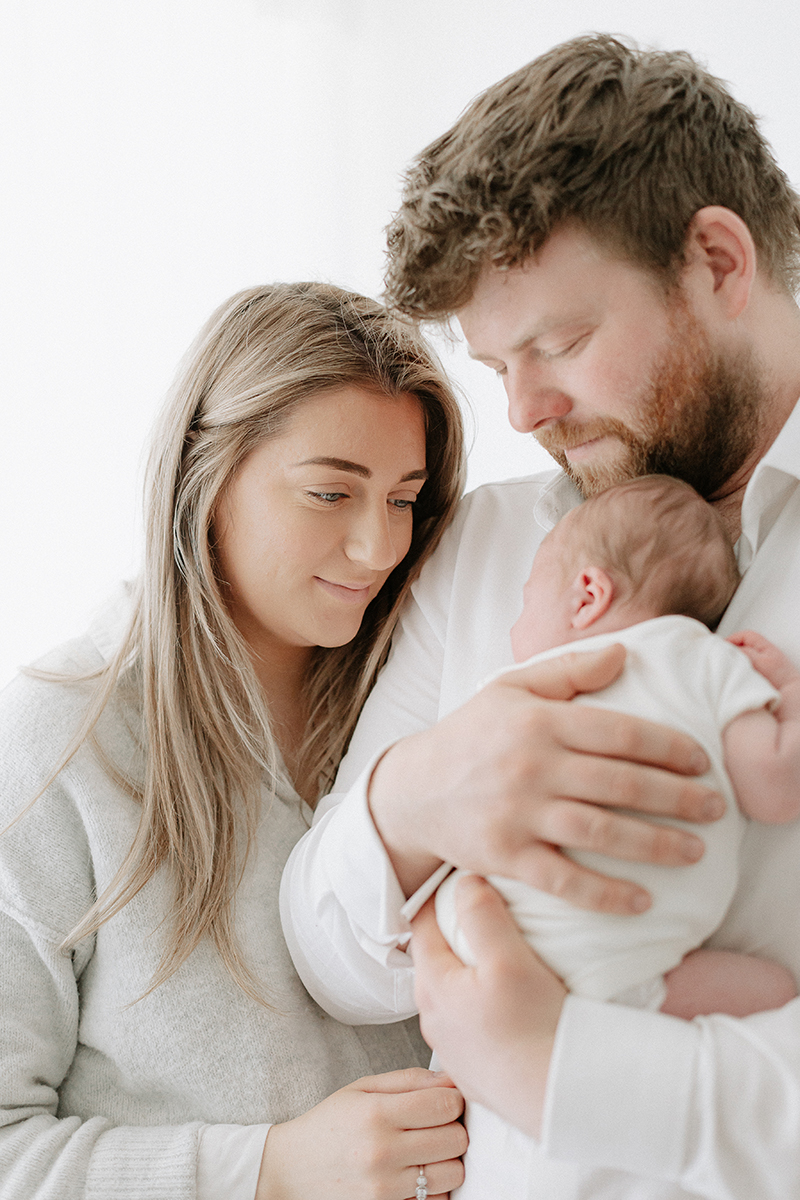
{"x": 229, "y": 1161}
{"x": 711, "y": 1105}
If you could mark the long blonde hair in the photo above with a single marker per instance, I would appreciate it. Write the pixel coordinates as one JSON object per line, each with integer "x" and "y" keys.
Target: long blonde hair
{"x": 206, "y": 726}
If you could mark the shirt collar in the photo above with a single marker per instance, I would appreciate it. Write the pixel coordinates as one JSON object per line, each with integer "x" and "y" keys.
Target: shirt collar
{"x": 772, "y": 482}
{"x": 556, "y": 498}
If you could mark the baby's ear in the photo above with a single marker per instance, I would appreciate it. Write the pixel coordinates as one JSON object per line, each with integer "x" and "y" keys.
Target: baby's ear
{"x": 591, "y": 593}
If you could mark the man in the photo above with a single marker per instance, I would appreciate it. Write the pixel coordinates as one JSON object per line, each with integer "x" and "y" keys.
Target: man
{"x": 615, "y": 239}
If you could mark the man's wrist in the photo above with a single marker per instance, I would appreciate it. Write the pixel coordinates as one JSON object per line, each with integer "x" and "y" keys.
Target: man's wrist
{"x": 394, "y": 821}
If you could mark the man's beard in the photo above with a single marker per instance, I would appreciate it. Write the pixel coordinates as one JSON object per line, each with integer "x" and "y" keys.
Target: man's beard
{"x": 700, "y": 419}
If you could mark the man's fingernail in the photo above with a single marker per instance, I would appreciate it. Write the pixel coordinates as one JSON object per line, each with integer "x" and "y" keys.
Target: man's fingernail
{"x": 714, "y": 807}
{"x": 699, "y": 761}
{"x": 692, "y": 848}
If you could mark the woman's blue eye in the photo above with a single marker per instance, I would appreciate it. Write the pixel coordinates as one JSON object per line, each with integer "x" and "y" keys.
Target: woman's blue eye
{"x": 402, "y": 504}
{"x": 328, "y": 497}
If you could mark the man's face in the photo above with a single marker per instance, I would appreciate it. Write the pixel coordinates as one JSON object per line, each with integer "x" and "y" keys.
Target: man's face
{"x": 612, "y": 376}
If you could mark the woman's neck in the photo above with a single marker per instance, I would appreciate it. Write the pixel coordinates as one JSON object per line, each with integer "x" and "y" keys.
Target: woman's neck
{"x": 282, "y": 672}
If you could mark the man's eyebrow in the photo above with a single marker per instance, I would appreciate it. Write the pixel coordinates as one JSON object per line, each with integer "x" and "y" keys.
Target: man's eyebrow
{"x": 541, "y": 330}
{"x": 520, "y": 345}
{"x": 344, "y": 464}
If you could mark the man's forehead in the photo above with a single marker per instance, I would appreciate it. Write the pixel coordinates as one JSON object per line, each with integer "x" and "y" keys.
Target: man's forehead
{"x": 529, "y": 299}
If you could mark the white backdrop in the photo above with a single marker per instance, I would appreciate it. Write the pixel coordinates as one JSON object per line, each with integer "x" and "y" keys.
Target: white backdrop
{"x": 158, "y": 156}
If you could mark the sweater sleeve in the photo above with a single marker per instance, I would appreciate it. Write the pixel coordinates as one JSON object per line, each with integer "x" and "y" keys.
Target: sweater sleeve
{"x": 49, "y": 1149}
{"x": 41, "y": 1154}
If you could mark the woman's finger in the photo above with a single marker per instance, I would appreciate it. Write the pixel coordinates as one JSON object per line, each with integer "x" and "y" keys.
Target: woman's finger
{"x": 423, "y": 1109}
{"x": 442, "y": 1178}
{"x": 409, "y": 1079}
{"x": 436, "y": 1144}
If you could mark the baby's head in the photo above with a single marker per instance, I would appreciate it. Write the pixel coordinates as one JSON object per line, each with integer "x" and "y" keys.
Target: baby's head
{"x": 645, "y": 548}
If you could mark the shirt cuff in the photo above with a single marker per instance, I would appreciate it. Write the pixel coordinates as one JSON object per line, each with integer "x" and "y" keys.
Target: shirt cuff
{"x": 619, "y": 1088}
{"x": 361, "y": 872}
{"x": 229, "y": 1161}
{"x": 414, "y": 903}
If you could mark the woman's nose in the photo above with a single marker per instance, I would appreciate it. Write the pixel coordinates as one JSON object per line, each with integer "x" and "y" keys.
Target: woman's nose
{"x": 370, "y": 540}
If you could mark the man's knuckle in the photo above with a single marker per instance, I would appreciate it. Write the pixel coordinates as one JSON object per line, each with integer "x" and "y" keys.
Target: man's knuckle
{"x": 661, "y": 841}
{"x": 626, "y": 786}
{"x": 608, "y": 894}
{"x": 558, "y": 877}
{"x": 590, "y": 826}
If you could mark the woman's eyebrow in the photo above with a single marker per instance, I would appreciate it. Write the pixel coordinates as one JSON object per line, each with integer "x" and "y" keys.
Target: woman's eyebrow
{"x": 344, "y": 464}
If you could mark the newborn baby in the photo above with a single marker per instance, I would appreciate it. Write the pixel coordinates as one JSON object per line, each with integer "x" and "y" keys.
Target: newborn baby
{"x": 649, "y": 564}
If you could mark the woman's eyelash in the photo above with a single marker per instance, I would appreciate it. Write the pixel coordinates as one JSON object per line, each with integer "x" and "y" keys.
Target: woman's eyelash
{"x": 328, "y": 497}
{"x": 332, "y": 497}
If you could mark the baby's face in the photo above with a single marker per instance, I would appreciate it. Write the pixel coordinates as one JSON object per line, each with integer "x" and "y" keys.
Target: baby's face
{"x": 545, "y": 618}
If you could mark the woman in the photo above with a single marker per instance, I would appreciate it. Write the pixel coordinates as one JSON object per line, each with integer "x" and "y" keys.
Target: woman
{"x": 157, "y": 772}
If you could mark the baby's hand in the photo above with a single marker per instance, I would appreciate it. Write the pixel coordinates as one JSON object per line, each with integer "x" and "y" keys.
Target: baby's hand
{"x": 767, "y": 659}
{"x": 762, "y": 748}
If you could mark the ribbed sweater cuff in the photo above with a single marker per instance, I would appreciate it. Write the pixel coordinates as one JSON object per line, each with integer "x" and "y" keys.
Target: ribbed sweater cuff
{"x": 133, "y": 1163}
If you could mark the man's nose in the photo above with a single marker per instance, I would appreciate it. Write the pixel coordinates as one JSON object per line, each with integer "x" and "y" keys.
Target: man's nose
{"x": 533, "y": 397}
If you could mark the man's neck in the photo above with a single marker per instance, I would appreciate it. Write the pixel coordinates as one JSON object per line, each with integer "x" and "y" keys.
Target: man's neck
{"x": 776, "y": 334}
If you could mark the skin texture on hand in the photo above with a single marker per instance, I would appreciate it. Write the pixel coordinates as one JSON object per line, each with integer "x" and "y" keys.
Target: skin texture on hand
{"x": 368, "y": 1140}
{"x": 493, "y": 1024}
{"x": 499, "y": 785}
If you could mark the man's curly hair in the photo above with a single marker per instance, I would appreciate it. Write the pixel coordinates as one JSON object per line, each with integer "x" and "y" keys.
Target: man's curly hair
{"x": 629, "y": 142}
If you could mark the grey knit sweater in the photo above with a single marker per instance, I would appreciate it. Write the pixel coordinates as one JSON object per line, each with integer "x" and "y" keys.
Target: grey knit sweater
{"x": 99, "y": 1096}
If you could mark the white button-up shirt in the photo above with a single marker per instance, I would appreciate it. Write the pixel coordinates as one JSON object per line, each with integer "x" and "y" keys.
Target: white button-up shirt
{"x": 645, "y": 1106}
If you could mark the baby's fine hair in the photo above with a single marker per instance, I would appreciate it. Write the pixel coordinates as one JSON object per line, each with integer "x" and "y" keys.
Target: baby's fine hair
{"x": 660, "y": 542}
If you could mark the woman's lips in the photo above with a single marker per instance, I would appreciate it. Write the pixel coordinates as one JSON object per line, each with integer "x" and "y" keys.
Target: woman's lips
{"x": 350, "y": 593}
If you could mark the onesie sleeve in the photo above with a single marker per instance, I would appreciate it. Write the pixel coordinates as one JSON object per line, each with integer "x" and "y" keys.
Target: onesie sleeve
{"x": 735, "y": 686}
{"x": 711, "y": 1104}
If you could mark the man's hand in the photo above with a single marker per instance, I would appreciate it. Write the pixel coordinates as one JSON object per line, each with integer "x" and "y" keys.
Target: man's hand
{"x": 494, "y": 1024}
{"x": 501, "y": 784}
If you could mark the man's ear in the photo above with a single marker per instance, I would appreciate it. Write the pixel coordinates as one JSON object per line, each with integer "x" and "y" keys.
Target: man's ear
{"x": 720, "y": 260}
{"x": 590, "y": 595}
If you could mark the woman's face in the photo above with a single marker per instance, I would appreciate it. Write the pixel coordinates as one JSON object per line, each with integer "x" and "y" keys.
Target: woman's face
{"x": 315, "y": 519}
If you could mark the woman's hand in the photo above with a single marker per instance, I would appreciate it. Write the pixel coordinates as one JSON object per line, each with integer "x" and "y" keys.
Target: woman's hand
{"x": 368, "y": 1140}
{"x": 505, "y": 781}
{"x": 494, "y": 1024}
